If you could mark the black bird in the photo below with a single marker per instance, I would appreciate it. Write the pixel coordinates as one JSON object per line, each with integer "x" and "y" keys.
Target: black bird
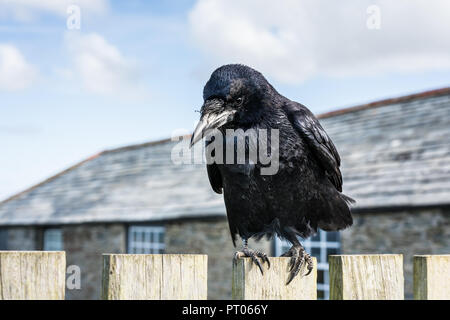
{"x": 305, "y": 192}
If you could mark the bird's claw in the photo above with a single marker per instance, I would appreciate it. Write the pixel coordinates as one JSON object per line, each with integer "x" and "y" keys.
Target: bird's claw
{"x": 299, "y": 259}
{"x": 254, "y": 255}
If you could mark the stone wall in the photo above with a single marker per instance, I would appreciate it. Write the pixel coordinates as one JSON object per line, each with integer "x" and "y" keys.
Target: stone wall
{"x": 212, "y": 238}
{"x": 408, "y": 232}
{"x": 84, "y": 245}
{"x": 23, "y": 238}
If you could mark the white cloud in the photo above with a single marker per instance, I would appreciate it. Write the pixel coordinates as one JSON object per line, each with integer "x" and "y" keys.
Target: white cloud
{"x": 25, "y": 10}
{"x": 15, "y": 72}
{"x": 295, "y": 40}
{"x": 101, "y": 66}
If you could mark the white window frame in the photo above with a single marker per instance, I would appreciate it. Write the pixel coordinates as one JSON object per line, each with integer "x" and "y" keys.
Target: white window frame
{"x": 323, "y": 244}
{"x": 145, "y": 239}
{"x": 53, "y": 239}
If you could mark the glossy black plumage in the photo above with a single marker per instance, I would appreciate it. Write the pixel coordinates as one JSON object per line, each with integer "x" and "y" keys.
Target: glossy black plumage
{"x": 305, "y": 193}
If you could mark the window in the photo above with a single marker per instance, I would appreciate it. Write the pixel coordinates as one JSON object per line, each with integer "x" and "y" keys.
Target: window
{"x": 320, "y": 246}
{"x": 53, "y": 240}
{"x": 146, "y": 239}
{"x": 3, "y": 239}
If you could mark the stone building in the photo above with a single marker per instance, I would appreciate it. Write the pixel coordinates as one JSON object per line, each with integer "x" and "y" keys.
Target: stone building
{"x": 137, "y": 199}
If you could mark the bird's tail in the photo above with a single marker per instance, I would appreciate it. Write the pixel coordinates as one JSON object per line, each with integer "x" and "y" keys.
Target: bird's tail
{"x": 340, "y": 217}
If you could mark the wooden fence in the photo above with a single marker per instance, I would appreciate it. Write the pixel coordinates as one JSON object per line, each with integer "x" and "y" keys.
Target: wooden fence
{"x": 41, "y": 275}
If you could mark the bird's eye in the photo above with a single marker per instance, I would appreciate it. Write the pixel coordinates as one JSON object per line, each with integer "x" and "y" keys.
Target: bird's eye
{"x": 239, "y": 100}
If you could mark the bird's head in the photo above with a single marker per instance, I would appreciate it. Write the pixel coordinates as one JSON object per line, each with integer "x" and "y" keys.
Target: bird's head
{"x": 232, "y": 98}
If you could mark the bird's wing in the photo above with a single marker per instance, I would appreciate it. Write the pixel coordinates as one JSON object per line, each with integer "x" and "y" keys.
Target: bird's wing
{"x": 318, "y": 141}
{"x": 215, "y": 178}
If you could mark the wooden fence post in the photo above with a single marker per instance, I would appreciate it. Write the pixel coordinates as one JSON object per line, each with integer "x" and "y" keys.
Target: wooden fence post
{"x": 154, "y": 276}
{"x": 432, "y": 277}
{"x": 366, "y": 277}
{"x": 249, "y": 284}
{"x": 32, "y": 275}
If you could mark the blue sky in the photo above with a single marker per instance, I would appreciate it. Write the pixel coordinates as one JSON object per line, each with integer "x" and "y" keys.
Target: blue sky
{"x": 135, "y": 70}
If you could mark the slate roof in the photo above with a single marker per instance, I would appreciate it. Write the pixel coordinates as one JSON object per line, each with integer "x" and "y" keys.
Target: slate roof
{"x": 395, "y": 154}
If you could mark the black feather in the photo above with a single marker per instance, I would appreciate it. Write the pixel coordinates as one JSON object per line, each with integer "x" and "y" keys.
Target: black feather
{"x": 305, "y": 193}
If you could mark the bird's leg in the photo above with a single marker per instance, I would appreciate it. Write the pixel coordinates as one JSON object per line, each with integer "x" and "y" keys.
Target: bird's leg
{"x": 299, "y": 257}
{"x": 253, "y": 254}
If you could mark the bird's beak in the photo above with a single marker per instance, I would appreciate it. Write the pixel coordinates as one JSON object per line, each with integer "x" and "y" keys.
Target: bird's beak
{"x": 209, "y": 122}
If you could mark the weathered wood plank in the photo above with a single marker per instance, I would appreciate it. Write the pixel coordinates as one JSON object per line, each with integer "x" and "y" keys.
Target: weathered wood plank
{"x": 154, "y": 276}
{"x": 249, "y": 284}
{"x": 32, "y": 275}
{"x": 432, "y": 277}
{"x": 366, "y": 277}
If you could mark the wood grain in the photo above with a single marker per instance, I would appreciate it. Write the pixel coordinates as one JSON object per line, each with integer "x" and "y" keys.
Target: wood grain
{"x": 32, "y": 275}
{"x": 154, "y": 276}
{"x": 366, "y": 277}
{"x": 249, "y": 284}
{"x": 432, "y": 277}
